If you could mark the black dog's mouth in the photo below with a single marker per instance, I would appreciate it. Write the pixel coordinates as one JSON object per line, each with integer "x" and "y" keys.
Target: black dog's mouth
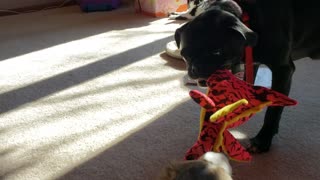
{"x": 200, "y": 75}
{"x": 202, "y": 82}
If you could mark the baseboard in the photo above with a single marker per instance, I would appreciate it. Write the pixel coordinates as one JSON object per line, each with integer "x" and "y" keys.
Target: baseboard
{"x": 35, "y": 7}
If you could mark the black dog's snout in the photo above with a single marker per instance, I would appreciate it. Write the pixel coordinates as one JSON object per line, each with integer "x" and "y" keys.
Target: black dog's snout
{"x": 200, "y": 71}
{"x": 202, "y": 83}
{"x": 193, "y": 72}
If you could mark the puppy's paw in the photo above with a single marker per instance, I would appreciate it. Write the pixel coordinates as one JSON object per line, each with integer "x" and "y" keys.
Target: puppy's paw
{"x": 259, "y": 145}
{"x": 175, "y": 16}
{"x": 174, "y": 13}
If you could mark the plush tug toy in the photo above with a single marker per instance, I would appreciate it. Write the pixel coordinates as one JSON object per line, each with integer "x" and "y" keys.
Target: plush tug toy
{"x": 229, "y": 103}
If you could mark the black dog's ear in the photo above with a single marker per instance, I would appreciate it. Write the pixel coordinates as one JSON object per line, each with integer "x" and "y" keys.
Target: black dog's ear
{"x": 177, "y": 34}
{"x": 250, "y": 37}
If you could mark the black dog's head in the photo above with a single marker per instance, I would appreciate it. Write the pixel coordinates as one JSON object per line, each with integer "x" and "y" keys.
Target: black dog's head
{"x": 214, "y": 40}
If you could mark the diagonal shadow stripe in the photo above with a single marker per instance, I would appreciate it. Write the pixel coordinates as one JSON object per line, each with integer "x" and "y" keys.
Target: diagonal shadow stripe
{"x": 13, "y": 99}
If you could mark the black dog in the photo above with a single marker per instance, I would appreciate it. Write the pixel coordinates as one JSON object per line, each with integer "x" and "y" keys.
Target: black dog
{"x": 280, "y": 31}
{"x": 195, "y": 7}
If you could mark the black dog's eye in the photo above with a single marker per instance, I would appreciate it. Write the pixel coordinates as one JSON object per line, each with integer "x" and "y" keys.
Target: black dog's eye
{"x": 216, "y": 52}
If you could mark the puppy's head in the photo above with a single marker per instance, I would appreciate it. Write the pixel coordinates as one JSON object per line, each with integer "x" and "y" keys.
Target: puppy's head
{"x": 214, "y": 40}
{"x": 211, "y": 166}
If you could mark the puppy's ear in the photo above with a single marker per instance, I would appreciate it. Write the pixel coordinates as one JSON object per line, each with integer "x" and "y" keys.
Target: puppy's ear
{"x": 250, "y": 37}
{"x": 168, "y": 173}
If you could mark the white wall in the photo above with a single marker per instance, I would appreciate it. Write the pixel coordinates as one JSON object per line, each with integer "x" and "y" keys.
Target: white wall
{"x": 14, "y": 4}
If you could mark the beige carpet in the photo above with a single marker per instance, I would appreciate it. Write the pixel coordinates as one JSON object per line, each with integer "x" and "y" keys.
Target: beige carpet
{"x": 93, "y": 96}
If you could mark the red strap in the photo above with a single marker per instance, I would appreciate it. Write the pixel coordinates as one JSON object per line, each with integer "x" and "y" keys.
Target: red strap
{"x": 249, "y": 65}
{"x": 248, "y": 54}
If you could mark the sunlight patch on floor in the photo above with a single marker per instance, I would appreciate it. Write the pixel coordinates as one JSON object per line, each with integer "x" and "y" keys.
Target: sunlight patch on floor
{"x": 238, "y": 134}
{"x": 42, "y": 64}
{"x": 264, "y": 77}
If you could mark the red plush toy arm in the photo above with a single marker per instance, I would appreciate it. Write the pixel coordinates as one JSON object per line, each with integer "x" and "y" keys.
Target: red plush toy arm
{"x": 234, "y": 149}
{"x": 205, "y": 141}
{"x": 202, "y": 99}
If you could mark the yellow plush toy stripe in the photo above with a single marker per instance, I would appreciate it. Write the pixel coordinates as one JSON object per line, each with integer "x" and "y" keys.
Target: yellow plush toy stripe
{"x": 228, "y": 109}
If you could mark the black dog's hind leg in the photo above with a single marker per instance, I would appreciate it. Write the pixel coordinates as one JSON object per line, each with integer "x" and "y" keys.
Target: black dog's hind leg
{"x": 281, "y": 82}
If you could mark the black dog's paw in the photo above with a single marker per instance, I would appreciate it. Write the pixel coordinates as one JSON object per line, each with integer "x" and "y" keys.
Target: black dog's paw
{"x": 259, "y": 145}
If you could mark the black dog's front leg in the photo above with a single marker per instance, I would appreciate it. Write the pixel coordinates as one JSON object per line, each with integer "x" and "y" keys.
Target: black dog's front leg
{"x": 281, "y": 82}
